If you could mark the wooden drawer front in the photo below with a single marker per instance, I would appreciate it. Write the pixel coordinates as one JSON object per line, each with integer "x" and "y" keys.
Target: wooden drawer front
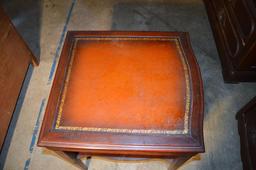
{"x": 242, "y": 18}
{"x": 230, "y": 37}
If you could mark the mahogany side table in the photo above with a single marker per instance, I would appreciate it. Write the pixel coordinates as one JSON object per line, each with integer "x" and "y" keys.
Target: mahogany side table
{"x": 133, "y": 94}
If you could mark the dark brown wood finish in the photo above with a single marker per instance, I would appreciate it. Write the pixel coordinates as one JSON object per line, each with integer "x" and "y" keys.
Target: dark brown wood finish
{"x": 15, "y": 58}
{"x": 233, "y": 23}
{"x": 247, "y": 130}
{"x": 137, "y": 145}
{"x": 72, "y": 158}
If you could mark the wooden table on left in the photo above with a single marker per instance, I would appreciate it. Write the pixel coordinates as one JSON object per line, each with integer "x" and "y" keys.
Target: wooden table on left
{"x": 15, "y": 57}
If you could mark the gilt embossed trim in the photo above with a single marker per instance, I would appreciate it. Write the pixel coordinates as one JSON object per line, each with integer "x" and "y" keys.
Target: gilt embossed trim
{"x": 176, "y": 40}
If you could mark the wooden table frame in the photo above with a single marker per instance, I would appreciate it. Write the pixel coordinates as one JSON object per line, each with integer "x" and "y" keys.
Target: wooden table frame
{"x": 70, "y": 146}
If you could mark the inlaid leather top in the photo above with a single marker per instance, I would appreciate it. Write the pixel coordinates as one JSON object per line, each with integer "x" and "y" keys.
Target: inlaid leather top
{"x": 125, "y": 84}
{"x": 120, "y": 84}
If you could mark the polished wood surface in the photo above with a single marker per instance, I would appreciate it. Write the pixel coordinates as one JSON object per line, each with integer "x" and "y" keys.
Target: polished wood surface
{"x": 246, "y": 117}
{"x": 15, "y": 58}
{"x": 125, "y": 93}
{"x": 233, "y": 24}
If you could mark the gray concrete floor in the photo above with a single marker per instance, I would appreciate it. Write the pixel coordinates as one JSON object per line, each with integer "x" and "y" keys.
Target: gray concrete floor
{"x": 43, "y": 25}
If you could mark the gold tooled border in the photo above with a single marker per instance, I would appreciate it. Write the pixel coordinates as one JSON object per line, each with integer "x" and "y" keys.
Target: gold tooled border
{"x": 115, "y": 130}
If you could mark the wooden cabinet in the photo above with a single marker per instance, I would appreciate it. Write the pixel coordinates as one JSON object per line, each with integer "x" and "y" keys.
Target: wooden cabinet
{"x": 15, "y": 58}
{"x": 233, "y": 24}
{"x": 247, "y": 130}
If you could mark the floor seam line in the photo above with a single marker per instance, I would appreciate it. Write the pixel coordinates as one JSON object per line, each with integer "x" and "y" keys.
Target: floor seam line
{"x": 34, "y": 135}
{"x": 56, "y": 56}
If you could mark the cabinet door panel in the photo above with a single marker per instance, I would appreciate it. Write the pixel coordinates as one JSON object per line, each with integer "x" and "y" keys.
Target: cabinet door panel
{"x": 231, "y": 39}
{"x": 243, "y": 18}
{"x": 218, "y": 5}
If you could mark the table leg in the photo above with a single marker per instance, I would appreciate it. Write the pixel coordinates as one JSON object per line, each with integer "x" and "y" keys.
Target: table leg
{"x": 177, "y": 162}
{"x": 174, "y": 163}
{"x": 72, "y": 158}
{"x": 86, "y": 157}
{"x": 34, "y": 60}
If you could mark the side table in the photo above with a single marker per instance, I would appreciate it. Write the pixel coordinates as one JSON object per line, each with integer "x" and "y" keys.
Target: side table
{"x": 133, "y": 94}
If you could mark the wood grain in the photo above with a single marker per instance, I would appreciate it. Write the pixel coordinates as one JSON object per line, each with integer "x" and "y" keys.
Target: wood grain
{"x": 233, "y": 25}
{"x": 143, "y": 79}
{"x": 15, "y": 58}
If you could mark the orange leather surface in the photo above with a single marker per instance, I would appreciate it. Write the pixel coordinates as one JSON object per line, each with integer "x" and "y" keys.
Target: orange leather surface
{"x": 125, "y": 84}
